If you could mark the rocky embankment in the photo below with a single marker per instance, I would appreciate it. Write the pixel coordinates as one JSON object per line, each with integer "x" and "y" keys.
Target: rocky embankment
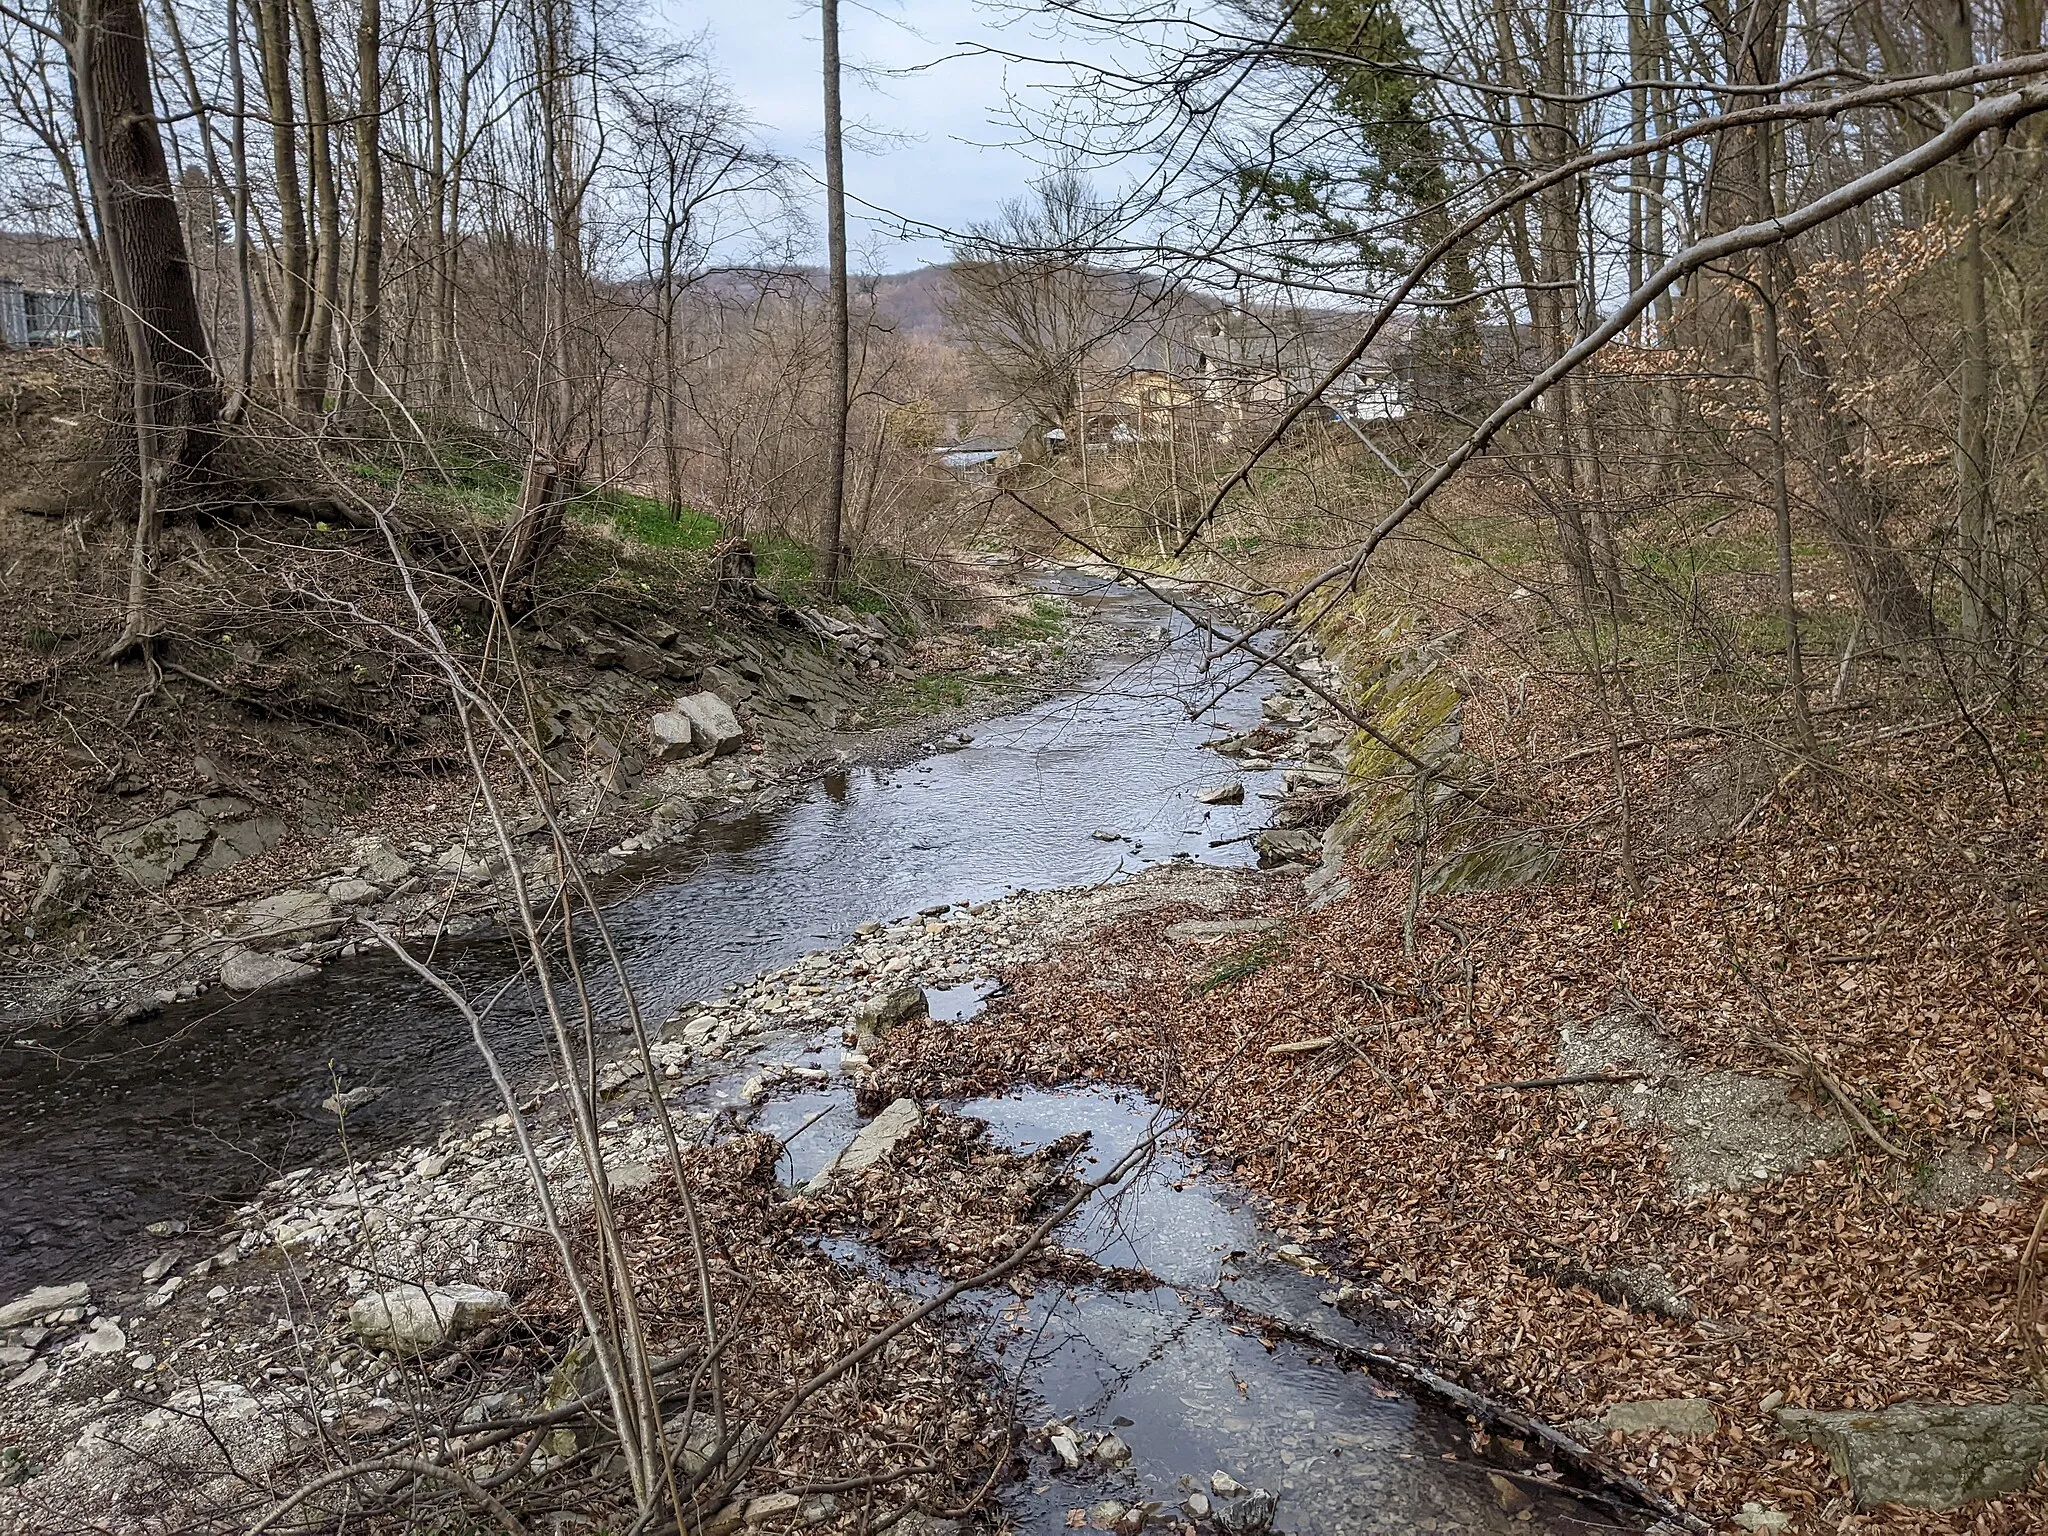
{"x": 646, "y": 734}
{"x": 336, "y": 1304}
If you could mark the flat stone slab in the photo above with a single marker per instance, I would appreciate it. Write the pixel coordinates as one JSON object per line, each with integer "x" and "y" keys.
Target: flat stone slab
{"x": 44, "y": 1299}
{"x": 1928, "y": 1455}
{"x": 289, "y": 917}
{"x": 1722, "y": 1130}
{"x": 877, "y": 1139}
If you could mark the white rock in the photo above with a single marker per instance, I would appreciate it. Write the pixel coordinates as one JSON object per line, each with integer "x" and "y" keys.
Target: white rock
{"x": 1066, "y": 1447}
{"x": 43, "y": 1299}
{"x": 673, "y": 734}
{"x": 713, "y": 725}
{"x": 106, "y": 1338}
{"x": 413, "y": 1317}
{"x": 247, "y": 970}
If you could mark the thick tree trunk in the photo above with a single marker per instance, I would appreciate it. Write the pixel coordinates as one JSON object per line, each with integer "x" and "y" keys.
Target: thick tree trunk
{"x": 152, "y": 300}
{"x": 369, "y": 277}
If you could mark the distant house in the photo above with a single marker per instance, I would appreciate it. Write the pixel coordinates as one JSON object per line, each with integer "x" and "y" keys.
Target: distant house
{"x": 44, "y": 317}
{"x": 978, "y": 458}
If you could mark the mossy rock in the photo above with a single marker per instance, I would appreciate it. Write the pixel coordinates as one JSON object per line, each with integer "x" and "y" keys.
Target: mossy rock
{"x": 1499, "y": 864}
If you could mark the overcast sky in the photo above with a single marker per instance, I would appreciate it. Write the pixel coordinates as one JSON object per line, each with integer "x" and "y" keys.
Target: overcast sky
{"x": 949, "y": 160}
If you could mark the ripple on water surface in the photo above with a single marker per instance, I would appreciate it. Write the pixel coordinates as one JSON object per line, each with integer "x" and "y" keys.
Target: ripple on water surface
{"x": 189, "y": 1111}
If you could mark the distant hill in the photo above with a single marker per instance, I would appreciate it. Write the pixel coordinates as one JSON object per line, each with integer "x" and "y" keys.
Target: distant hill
{"x": 914, "y": 300}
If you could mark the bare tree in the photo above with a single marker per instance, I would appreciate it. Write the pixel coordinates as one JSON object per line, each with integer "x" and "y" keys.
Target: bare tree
{"x": 832, "y": 531}
{"x": 1027, "y": 302}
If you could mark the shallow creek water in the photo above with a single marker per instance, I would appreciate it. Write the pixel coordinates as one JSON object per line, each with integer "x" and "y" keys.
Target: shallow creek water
{"x": 1182, "y": 1370}
{"x": 104, "y": 1131}
{"x": 196, "y": 1107}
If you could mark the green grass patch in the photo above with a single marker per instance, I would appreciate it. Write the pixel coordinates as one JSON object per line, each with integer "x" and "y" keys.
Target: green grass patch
{"x": 1044, "y": 620}
{"x": 646, "y": 520}
{"x": 928, "y": 695}
{"x": 1227, "y": 972}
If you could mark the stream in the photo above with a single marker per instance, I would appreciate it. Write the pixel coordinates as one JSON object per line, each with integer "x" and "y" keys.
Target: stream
{"x": 184, "y": 1114}
{"x": 1183, "y": 1373}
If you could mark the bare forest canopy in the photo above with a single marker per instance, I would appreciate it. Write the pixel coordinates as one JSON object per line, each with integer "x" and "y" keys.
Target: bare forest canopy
{"x": 1606, "y": 265}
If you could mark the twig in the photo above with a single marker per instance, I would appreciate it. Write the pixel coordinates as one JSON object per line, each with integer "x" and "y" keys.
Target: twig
{"x": 1805, "y": 1059}
{"x": 410, "y": 1464}
{"x": 1301, "y": 1047}
{"x": 2027, "y": 1297}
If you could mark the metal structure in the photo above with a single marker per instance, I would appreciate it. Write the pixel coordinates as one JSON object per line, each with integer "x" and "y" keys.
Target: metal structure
{"x": 45, "y": 317}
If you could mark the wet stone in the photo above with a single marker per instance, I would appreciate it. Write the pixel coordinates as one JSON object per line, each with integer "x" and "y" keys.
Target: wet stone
{"x": 43, "y": 1300}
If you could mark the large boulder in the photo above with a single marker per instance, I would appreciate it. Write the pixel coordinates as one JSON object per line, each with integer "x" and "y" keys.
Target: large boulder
{"x": 714, "y": 727}
{"x": 290, "y": 917}
{"x": 674, "y": 736}
{"x": 250, "y": 970}
{"x": 410, "y": 1319}
{"x": 1928, "y": 1455}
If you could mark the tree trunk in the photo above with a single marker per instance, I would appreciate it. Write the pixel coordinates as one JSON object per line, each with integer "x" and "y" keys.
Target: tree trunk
{"x": 1976, "y": 558}
{"x": 173, "y": 396}
{"x": 537, "y": 529}
{"x": 295, "y": 278}
{"x": 1770, "y": 369}
{"x": 369, "y": 277}
{"x": 327, "y": 211}
{"x": 245, "y": 285}
{"x": 1740, "y": 190}
{"x": 830, "y": 535}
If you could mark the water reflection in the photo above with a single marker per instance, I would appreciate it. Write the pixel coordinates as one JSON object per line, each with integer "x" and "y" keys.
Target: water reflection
{"x": 184, "y": 1113}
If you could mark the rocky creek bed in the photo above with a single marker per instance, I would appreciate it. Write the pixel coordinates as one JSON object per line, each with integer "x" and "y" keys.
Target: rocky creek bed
{"x": 1161, "y": 1360}
{"x": 1149, "y": 1365}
